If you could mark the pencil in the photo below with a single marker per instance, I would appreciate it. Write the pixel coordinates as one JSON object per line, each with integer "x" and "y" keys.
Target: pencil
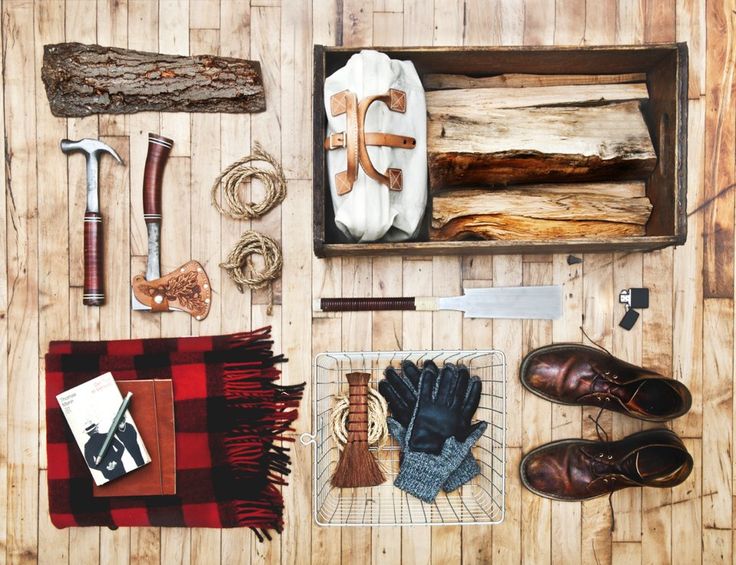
{"x": 111, "y": 431}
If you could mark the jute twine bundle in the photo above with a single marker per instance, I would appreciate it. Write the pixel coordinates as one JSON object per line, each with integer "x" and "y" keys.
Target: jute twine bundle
{"x": 241, "y": 170}
{"x": 377, "y": 414}
{"x": 239, "y": 264}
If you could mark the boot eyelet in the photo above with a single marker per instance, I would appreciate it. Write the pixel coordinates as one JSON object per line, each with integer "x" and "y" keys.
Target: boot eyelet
{"x": 609, "y": 457}
{"x": 601, "y": 455}
{"x": 608, "y": 399}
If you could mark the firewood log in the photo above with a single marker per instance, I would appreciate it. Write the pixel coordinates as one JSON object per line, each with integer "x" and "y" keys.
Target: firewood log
{"x": 81, "y": 80}
{"x": 521, "y": 228}
{"x": 475, "y": 102}
{"x": 444, "y": 81}
{"x": 541, "y": 204}
{"x": 538, "y": 144}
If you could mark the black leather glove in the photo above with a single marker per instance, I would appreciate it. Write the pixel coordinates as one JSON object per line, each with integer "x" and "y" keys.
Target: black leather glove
{"x": 451, "y": 412}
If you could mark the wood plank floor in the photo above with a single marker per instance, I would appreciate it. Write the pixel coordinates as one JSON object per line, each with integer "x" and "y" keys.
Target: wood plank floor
{"x": 688, "y": 331}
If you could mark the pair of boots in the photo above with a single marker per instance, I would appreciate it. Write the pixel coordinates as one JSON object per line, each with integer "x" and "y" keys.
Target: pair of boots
{"x": 577, "y": 469}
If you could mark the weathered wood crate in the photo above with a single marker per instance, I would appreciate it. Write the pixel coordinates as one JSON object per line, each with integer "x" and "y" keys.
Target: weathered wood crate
{"x": 665, "y": 67}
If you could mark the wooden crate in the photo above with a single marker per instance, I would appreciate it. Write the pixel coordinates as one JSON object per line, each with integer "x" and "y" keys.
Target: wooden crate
{"x": 665, "y": 112}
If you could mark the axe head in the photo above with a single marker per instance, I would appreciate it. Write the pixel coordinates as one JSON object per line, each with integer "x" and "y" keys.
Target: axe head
{"x": 186, "y": 289}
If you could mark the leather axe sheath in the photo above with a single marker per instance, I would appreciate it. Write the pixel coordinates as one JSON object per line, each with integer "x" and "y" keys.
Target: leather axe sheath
{"x": 185, "y": 289}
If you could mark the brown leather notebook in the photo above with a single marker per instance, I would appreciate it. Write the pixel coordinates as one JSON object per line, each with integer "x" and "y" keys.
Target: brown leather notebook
{"x": 152, "y": 408}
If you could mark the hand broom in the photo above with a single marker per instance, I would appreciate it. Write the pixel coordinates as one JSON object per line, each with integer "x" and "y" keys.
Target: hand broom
{"x": 357, "y": 466}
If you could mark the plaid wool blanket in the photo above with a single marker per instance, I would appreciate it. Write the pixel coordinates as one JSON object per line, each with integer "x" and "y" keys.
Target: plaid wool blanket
{"x": 230, "y": 419}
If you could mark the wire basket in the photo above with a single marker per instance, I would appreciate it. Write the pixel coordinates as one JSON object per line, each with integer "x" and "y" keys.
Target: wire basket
{"x": 481, "y": 501}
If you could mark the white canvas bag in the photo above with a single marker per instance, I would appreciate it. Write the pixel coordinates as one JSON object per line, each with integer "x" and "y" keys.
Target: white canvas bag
{"x": 376, "y": 108}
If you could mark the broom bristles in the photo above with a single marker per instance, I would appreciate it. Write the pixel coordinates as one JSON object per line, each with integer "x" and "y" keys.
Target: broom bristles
{"x": 357, "y": 466}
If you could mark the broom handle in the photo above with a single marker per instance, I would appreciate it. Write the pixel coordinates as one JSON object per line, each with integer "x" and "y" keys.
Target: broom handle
{"x": 358, "y": 407}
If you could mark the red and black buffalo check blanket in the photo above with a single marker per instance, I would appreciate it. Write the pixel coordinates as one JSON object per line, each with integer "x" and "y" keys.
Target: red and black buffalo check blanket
{"x": 230, "y": 417}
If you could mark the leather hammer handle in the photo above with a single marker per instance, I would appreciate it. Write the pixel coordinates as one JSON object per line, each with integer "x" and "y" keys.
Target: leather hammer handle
{"x": 158, "y": 153}
{"x": 94, "y": 291}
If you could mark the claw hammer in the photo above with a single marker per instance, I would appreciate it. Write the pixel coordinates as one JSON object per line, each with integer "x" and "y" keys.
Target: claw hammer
{"x": 94, "y": 289}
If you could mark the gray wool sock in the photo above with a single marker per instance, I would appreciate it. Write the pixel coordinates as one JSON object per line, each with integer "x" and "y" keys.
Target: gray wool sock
{"x": 466, "y": 471}
{"x": 423, "y": 474}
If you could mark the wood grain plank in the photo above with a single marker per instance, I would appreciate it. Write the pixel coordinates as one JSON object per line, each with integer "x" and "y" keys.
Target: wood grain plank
{"x": 718, "y": 359}
{"x": 688, "y": 283}
{"x": 296, "y": 80}
{"x": 687, "y": 519}
{"x": 173, "y": 38}
{"x": 204, "y": 14}
{"x": 720, "y": 144}
{"x": 661, "y": 14}
{"x": 691, "y": 27}
{"x": 4, "y": 299}
{"x": 21, "y": 232}
{"x": 569, "y": 22}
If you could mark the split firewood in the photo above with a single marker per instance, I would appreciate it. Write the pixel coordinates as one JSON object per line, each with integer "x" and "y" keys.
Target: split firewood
{"x": 81, "y": 80}
{"x": 519, "y": 80}
{"x": 538, "y": 144}
{"x": 475, "y": 102}
{"x": 538, "y": 202}
{"x": 521, "y": 228}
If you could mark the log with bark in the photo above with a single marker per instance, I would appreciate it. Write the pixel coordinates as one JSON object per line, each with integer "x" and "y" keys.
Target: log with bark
{"x": 440, "y": 81}
{"x": 585, "y": 210}
{"x": 81, "y": 80}
{"x": 500, "y": 146}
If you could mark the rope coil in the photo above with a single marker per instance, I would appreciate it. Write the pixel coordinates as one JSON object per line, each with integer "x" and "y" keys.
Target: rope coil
{"x": 239, "y": 264}
{"x": 377, "y": 414}
{"x": 231, "y": 178}
{"x": 240, "y": 268}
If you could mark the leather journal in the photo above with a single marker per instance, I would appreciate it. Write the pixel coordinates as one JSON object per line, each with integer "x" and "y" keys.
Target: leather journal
{"x": 152, "y": 408}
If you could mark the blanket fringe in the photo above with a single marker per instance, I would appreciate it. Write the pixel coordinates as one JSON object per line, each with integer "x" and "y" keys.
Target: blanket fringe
{"x": 262, "y": 413}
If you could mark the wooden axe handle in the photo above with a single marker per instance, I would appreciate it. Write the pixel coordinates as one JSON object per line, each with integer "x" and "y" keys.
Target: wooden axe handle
{"x": 158, "y": 153}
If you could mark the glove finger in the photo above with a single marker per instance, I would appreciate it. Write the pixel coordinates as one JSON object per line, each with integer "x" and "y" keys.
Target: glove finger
{"x": 431, "y": 366}
{"x": 472, "y": 399}
{"x": 397, "y": 431}
{"x": 402, "y": 386}
{"x": 461, "y": 386}
{"x": 396, "y": 404}
{"x": 476, "y": 432}
{"x": 448, "y": 380}
{"x": 426, "y": 386}
{"x": 411, "y": 372}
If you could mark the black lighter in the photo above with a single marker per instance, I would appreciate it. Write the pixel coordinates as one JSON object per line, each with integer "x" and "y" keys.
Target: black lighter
{"x": 634, "y": 298}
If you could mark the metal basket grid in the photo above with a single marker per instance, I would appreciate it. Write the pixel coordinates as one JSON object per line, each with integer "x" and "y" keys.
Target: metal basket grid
{"x": 479, "y": 502}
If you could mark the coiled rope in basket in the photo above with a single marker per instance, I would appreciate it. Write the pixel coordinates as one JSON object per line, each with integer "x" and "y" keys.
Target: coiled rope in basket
{"x": 377, "y": 414}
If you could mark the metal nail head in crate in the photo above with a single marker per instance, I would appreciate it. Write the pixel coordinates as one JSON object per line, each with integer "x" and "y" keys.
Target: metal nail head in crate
{"x": 479, "y": 502}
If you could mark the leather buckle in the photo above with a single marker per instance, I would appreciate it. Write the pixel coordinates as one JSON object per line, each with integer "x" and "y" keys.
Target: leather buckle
{"x": 335, "y": 141}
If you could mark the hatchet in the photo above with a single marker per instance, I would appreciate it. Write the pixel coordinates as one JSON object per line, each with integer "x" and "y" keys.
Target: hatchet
{"x": 187, "y": 288}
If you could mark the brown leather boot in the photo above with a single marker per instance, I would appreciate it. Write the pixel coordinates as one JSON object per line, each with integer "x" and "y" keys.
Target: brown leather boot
{"x": 578, "y": 469}
{"x": 580, "y": 375}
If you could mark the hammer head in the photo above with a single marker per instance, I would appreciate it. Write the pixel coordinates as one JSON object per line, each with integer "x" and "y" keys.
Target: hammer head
{"x": 92, "y": 148}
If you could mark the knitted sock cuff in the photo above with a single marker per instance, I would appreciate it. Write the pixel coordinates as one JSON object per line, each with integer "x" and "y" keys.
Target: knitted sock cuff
{"x": 466, "y": 471}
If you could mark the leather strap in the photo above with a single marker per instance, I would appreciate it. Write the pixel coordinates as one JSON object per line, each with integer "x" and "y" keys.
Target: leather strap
{"x": 337, "y": 140}
{"x": 355, "y": 140}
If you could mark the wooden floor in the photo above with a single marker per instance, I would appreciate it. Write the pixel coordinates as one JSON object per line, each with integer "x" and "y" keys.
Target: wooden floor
{"x": 687, "y": 332}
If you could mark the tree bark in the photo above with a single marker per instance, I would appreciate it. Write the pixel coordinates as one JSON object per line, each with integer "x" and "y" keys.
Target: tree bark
{"x": 501, "y": 146}
{"x": 82, "y": 80}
